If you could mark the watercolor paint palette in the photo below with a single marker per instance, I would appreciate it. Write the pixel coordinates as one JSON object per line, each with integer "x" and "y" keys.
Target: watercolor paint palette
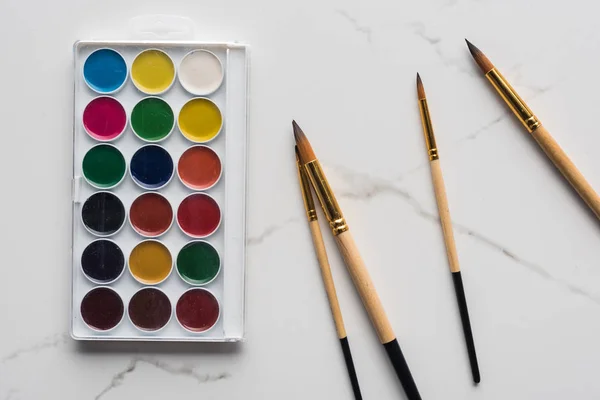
{"x": 159, "y": 189}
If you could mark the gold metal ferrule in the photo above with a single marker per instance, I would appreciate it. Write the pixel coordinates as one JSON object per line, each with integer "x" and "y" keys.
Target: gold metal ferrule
{"x": 428, "y": 130}
{"x": 326, "y": 198}
{"x": 309, "y": 203}
{"x": 516, "y": 104}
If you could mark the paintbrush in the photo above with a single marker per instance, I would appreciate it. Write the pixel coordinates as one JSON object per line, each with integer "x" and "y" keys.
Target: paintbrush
{"x": 334, "y": 304}
{"x": 539, "y": 133}
{"x": 354, "y": 263}
{"x": 445, "y": 221}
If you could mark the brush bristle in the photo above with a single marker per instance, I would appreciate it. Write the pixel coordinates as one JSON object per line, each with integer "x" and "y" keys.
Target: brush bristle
{"x": 484, "y": 64}
{"x": 420, "y": 88}
{"x": 304, "y": 148}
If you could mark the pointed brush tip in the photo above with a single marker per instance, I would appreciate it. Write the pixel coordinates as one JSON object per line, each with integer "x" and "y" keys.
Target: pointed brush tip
{"x": 420, "y": 88}
{"x": 304, "y": 148}
{"x": 472, "y": 48}
{"x": 482, "y": 61}
{"x": 296, "y": 130}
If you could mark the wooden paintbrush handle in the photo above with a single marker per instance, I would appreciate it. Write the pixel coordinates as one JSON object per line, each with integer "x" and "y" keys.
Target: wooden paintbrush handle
{"x": 364, "y": 285}
{"x": 446, "y": 222}
{"x": 317, "y": 238}
{"x": 366, "y": 290}
{"x": 442, "y": 203}
{"x": 334, "y": 304}
{"x": 567, "y": 168}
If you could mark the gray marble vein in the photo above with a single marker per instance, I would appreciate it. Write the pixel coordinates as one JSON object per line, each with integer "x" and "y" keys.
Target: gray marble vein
{"x": 270, "y": 230}
{"x": 537, "y": 91}
{"x": 11, "y": 394}
{"x": 406, "y": 173}
{"x": 419, "y": 29}
{"x": 365, "y": 188}
{"x": 539, "y": 270}
{"x": 485, "y": 127}
{"x": 182, "y": 370}
{"x": 449, "y": 4}
{"x": 362, "y": 29}
{"x": 46, "y": 343}
{"x": 515, "y": 75}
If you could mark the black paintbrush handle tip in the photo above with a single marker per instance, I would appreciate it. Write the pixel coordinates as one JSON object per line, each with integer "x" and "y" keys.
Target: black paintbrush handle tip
{"x": 399, "y": 363}
{"x": 466, "y": 323}
{"x": 351, "y": 369}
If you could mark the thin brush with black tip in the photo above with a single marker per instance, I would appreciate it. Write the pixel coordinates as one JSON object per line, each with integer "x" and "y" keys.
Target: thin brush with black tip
{"x": 317, "y": 237}
{"x": 539, "y": 132}
{"x": 354, "y": 263}
{"x": 446, "y": 223}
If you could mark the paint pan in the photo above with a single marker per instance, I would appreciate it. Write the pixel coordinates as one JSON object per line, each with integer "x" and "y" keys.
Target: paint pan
{"x": 199, "y": 215}
{"x": 201, "y": 72}
{"x": 152, "y": 119}
{"x": 149, "y": 309}
{"x": 102, "y": 261}
{"x": 104, "y": 118}
{"x": 153, "y": 71}
{"x": 151, "y": 167}
{"x": 198, "y": 263}
{"x": 199, "y": 168}
{"x": 104, "y": 166}
{"x": 200, "y": 120}
{"x": 105, "y": 71}
{"x": 150, "y": 262}
{"x": 151, "y": 214}
{"x": 197, "y": 310}
{"x": 102, "y": 309}
{"x": 103, "y": 214}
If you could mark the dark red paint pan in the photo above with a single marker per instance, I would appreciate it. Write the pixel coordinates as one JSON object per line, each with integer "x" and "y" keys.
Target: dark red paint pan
{"x": 197, "y": 310}
{"x": 149, "y": 309}
{"x": 151, "y": 214}
{"x": 199, "y": 215}
{"x": 102, "y": 309}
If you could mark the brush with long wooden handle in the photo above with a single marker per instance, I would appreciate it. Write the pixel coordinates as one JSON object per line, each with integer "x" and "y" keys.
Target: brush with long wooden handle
{"x": 321, "y": 252}
{"x": 446, "y": 223}
{"x": 354, "y": 263}
{"x": 539, "y": 133}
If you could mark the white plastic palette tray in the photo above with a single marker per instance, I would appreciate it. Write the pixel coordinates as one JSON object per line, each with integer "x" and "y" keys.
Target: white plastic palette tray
{"x": 229, "y": 192}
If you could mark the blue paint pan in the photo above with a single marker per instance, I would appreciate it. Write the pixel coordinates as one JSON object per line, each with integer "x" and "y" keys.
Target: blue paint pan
{"x": 105, "y": 71}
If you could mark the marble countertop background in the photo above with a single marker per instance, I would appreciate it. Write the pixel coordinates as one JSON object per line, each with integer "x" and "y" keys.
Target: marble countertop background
{"x": 345, "y": 70}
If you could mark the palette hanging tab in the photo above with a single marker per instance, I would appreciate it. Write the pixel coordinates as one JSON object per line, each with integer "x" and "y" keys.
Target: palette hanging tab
{"x": 159, "y": 171}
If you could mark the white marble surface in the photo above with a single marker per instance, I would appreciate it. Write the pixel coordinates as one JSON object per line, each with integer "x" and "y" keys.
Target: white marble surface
{"x": 345, "y": 71}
